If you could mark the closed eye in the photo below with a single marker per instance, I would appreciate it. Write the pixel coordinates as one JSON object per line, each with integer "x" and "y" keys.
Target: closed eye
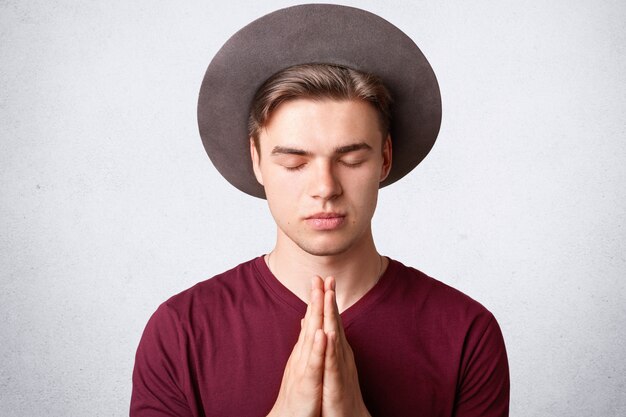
{"x": 351, "y": 164}
{"x": 291, "y": 162}
{"x": 294, "y": 168}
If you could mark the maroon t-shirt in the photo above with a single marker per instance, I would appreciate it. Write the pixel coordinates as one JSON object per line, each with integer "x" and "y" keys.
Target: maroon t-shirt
{"x": 421, "y": 348}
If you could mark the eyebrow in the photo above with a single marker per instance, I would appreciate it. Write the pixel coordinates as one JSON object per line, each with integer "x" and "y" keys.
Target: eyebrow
{"x": 354, "y": 147}
{"x": 285, "y": 150}
{"x": 340, "y": 150}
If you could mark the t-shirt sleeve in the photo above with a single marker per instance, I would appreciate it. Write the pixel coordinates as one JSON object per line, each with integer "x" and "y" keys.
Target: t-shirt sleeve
{"x": 484, "y": 384}
{"x": 158, "y": 387}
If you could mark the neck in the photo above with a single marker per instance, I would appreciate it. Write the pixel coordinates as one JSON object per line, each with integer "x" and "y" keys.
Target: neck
{"x": 355, "y": 270}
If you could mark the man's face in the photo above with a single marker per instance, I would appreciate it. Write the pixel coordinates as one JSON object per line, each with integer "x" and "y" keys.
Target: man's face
{"x": 321, "y": 162}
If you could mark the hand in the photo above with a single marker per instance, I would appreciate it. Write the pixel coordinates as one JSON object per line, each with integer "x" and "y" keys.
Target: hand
{"x": 341, "y": 394}
{"x": 300, "y": 391}
{"x": 320, "y": 377}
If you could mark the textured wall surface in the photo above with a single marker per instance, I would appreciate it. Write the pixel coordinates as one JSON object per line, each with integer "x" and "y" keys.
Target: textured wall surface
{"x": 108, "y": 204}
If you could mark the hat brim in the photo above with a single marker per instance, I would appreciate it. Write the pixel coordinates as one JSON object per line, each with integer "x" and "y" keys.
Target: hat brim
{"x": 316, "y": 33}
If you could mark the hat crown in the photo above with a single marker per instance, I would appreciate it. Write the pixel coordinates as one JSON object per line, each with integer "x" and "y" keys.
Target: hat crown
{"x": 316, "y": 33}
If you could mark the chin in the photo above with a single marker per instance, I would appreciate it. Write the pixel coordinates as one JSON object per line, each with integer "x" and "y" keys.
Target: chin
{"x": 331, "y": 248}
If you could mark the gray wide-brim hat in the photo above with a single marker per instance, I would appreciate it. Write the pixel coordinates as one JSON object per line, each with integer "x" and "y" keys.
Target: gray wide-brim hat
{"x": 316, "y": 33}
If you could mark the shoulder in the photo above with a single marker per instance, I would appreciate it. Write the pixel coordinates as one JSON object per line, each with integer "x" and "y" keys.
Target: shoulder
{"x": 431, "y": 294}
{"x": 455, "y": 322}
{"x": 446, "y": 315}
{"x": 219, "y": 293}
{"x": 178, "y": 329}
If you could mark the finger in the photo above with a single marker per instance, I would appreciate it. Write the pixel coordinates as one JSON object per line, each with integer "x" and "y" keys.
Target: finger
{"x": 314, "y": 320}
{"x": 331, "y": 363}
{"x": 332, "y": 321}
{"x": 317, "y": 302}
{"x": 317, "y": 283}
{"x": 341, "y": 334}
{"x": 315, "y": 361}
{"x": 329, "y": 284}
{"x": 298, "y": 347}
{"x": 332, "y": 318}
{"x": 306, "y": 336}
{"x": 303, "y": 328}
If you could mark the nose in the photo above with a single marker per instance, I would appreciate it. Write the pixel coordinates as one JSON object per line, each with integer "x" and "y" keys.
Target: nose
{"x": 324, "y": 183}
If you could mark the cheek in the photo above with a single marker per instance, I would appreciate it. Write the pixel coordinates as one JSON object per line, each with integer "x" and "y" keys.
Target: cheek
{"x": 285, "y": 185}
{"x": 281, "y": 209}
{"x": 282, "y": 194}
{"x": 364, "y": 192}
{"x": 364, "y": 182}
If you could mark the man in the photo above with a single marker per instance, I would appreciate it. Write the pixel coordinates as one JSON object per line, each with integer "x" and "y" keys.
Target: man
{"x": 323, "y": 325}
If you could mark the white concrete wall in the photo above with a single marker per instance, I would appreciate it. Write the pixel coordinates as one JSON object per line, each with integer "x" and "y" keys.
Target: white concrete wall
{"x": 108, "y": 204}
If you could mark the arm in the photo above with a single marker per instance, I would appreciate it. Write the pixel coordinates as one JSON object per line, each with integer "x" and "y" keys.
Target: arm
{"x": 484, "y": 383}
{"x": 157, "y": 375}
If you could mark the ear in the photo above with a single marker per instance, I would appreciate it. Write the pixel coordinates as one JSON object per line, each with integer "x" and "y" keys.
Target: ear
{"x": 256, "y": 162}
{"x": 387, "y": 153}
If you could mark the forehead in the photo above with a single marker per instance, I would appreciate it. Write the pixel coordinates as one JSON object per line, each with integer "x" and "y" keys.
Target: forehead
{"x": 321, "y": 123}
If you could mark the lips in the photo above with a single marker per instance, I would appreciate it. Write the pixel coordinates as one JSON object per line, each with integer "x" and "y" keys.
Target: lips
{"x": 326, "y": 221}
